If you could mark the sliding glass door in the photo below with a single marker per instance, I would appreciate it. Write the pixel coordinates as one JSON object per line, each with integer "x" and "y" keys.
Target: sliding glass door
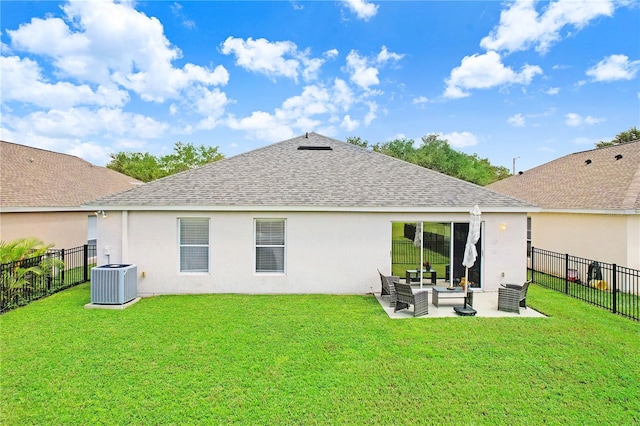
{"x": 427, "y": 253}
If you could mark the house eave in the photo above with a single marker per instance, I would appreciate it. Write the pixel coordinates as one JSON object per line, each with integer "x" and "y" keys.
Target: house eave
{"x": 622, "y": 212}
{"x": 338, "y": 209}
{"x": 19, "y": 209}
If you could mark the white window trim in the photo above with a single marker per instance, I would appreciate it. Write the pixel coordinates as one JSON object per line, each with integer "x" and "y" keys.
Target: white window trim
{"x": 208, "y": 245}
{"x": 256, "y": 246}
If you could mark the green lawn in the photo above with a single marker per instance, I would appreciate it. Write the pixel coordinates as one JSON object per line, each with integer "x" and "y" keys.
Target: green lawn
{"x": 221, "y": 359}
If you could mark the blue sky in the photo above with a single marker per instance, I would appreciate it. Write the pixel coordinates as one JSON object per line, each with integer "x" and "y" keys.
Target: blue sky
{"x": 516, "y": 79}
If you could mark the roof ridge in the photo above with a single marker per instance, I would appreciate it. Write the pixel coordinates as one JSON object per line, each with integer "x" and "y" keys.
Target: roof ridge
{"x": 602, "y": 148}
{"x": 49, "y": 151}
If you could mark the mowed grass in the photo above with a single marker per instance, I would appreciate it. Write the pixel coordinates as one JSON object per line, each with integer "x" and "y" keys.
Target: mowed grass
{"x": 313, "y": 359}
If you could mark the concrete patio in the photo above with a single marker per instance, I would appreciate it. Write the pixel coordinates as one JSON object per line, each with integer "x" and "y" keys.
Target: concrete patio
{"x": 485, "y": 303}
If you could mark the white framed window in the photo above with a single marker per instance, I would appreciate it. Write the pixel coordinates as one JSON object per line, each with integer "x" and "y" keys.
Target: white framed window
{"x": 270, "y": 245}
{"x": 193, "y": 240}
{"x": 92, "y": 230}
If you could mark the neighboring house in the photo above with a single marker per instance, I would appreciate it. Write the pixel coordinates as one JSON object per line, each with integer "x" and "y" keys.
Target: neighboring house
{"x": 306, "y": 215}
{"x": 590, "y": 203}
{"x": 41, "y": 193}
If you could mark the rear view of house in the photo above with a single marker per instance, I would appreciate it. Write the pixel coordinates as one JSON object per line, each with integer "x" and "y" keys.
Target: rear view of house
{"x": 306, "y": 215}
{"x": 41, "y": 193}
{"x": 590, "y": 203}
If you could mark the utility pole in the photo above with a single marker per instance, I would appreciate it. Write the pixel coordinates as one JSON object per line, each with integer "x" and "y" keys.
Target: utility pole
{"x": 514, "y": 164}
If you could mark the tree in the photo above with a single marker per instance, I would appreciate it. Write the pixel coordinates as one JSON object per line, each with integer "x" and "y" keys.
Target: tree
{"x": 357, "y": 141}
{"x": 187, "y": 157}
{"x": 142, "y": 166}
{"x": 436, "y": 154}
{"x": 147, "y": 167}
{"x": 398, "y": 148}
{"x": 633, "y": 134}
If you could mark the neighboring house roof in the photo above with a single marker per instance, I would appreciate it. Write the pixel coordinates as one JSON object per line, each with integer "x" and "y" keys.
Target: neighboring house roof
{"x": 604, "y": 179}
{"x": 33, "y": 179}
{"x": 328, "y": 174}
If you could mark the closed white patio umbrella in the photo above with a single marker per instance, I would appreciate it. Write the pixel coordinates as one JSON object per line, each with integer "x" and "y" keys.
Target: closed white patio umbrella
{"x": 470, "y": 252}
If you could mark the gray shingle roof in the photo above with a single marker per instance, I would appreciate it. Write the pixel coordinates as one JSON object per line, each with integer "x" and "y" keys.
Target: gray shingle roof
{"x": 35, "y": 178}
{"x": 281, "y": 175}
{"x": 571, "y": 182}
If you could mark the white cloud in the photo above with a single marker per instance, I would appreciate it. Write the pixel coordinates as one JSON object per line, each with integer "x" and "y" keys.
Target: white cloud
{"x": 210, "y": 104}
{"x": 314, "y": 100}
{"x": 572, "y": 119}
{"x": 575, "y": 120}
{"x": 593, "y": 120}
{"x": 552, "y": 91}
{"x": 317, "y": 104}
{"x": 176, "y": 9}
{"x": 362, "y": 74}
{"x": 516, "y": 120}
{"x": 84, "y": 132}
{"x": 349, "y": 124}
{"x": 483, "y": 72}
{"x": 273, "y": 59}
{"x": 371, "y": 114}
{"x": 90, "y": 151}
{"x": 460, "y": 139}
{"x": 363, "y": 70}
{"x": 22, "y": 81}
{"x": 342, "y": 95}
{"x": 330, "y": 54}
{"x": 614, "y": 67}
{"x": 105, "y": 42}
{"x": 420, "y": 100}
{"x": 363, "y": 9}
{"x": 263, "y": 126}
{"x": 522, "y": 27}
{"x": 385, "y": 55}
{"x": 85, "y": 123}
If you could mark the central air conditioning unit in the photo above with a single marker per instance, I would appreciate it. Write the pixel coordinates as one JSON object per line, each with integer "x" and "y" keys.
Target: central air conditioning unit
{"x": 114, "y": 284}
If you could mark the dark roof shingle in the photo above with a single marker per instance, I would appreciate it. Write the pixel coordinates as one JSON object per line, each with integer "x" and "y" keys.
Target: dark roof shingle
{"x": 281, "y": 175}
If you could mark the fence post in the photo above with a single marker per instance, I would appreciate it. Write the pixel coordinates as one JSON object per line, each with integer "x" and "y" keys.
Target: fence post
{"x": 533, "y": 264}
{"x": 64, "y": 267}
{"x": 85, "y": 265}
{"x": 566, "y": 273}
{"x": 614, "y": 288}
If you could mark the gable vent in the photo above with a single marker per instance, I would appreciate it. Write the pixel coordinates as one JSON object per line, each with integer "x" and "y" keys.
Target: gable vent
{"x": 314, "y": 148}
{"x": 619, "y": 156}
{"x": 587, "y": 161}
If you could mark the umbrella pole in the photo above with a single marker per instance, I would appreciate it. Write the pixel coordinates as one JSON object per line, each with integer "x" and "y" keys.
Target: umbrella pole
{"x": 466, "y": 287}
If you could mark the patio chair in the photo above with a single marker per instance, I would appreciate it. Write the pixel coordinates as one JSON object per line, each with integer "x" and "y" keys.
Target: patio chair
{"x": 512, "y": 297}
{"x": 388, "y": 287}
{"x": 405, "y": 296}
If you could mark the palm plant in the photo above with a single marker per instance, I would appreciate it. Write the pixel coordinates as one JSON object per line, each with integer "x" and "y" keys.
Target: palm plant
{"x": 22, "y": 261}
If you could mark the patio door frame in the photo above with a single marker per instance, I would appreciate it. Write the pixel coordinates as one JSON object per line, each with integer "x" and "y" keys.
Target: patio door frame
{"x": 453, "y": 244}
{"x": 479, "y": 246}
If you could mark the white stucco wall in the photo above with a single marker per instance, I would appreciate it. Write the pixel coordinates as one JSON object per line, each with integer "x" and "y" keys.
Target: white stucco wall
{"x": 325, "y": 252}
{"x": 605, "y": 238}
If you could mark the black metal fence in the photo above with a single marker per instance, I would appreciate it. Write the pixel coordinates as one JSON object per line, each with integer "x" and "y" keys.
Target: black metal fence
{"x": 436, "y": 250}
{"x": 57, "y": 270}
{"x": 610, "y": 286}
